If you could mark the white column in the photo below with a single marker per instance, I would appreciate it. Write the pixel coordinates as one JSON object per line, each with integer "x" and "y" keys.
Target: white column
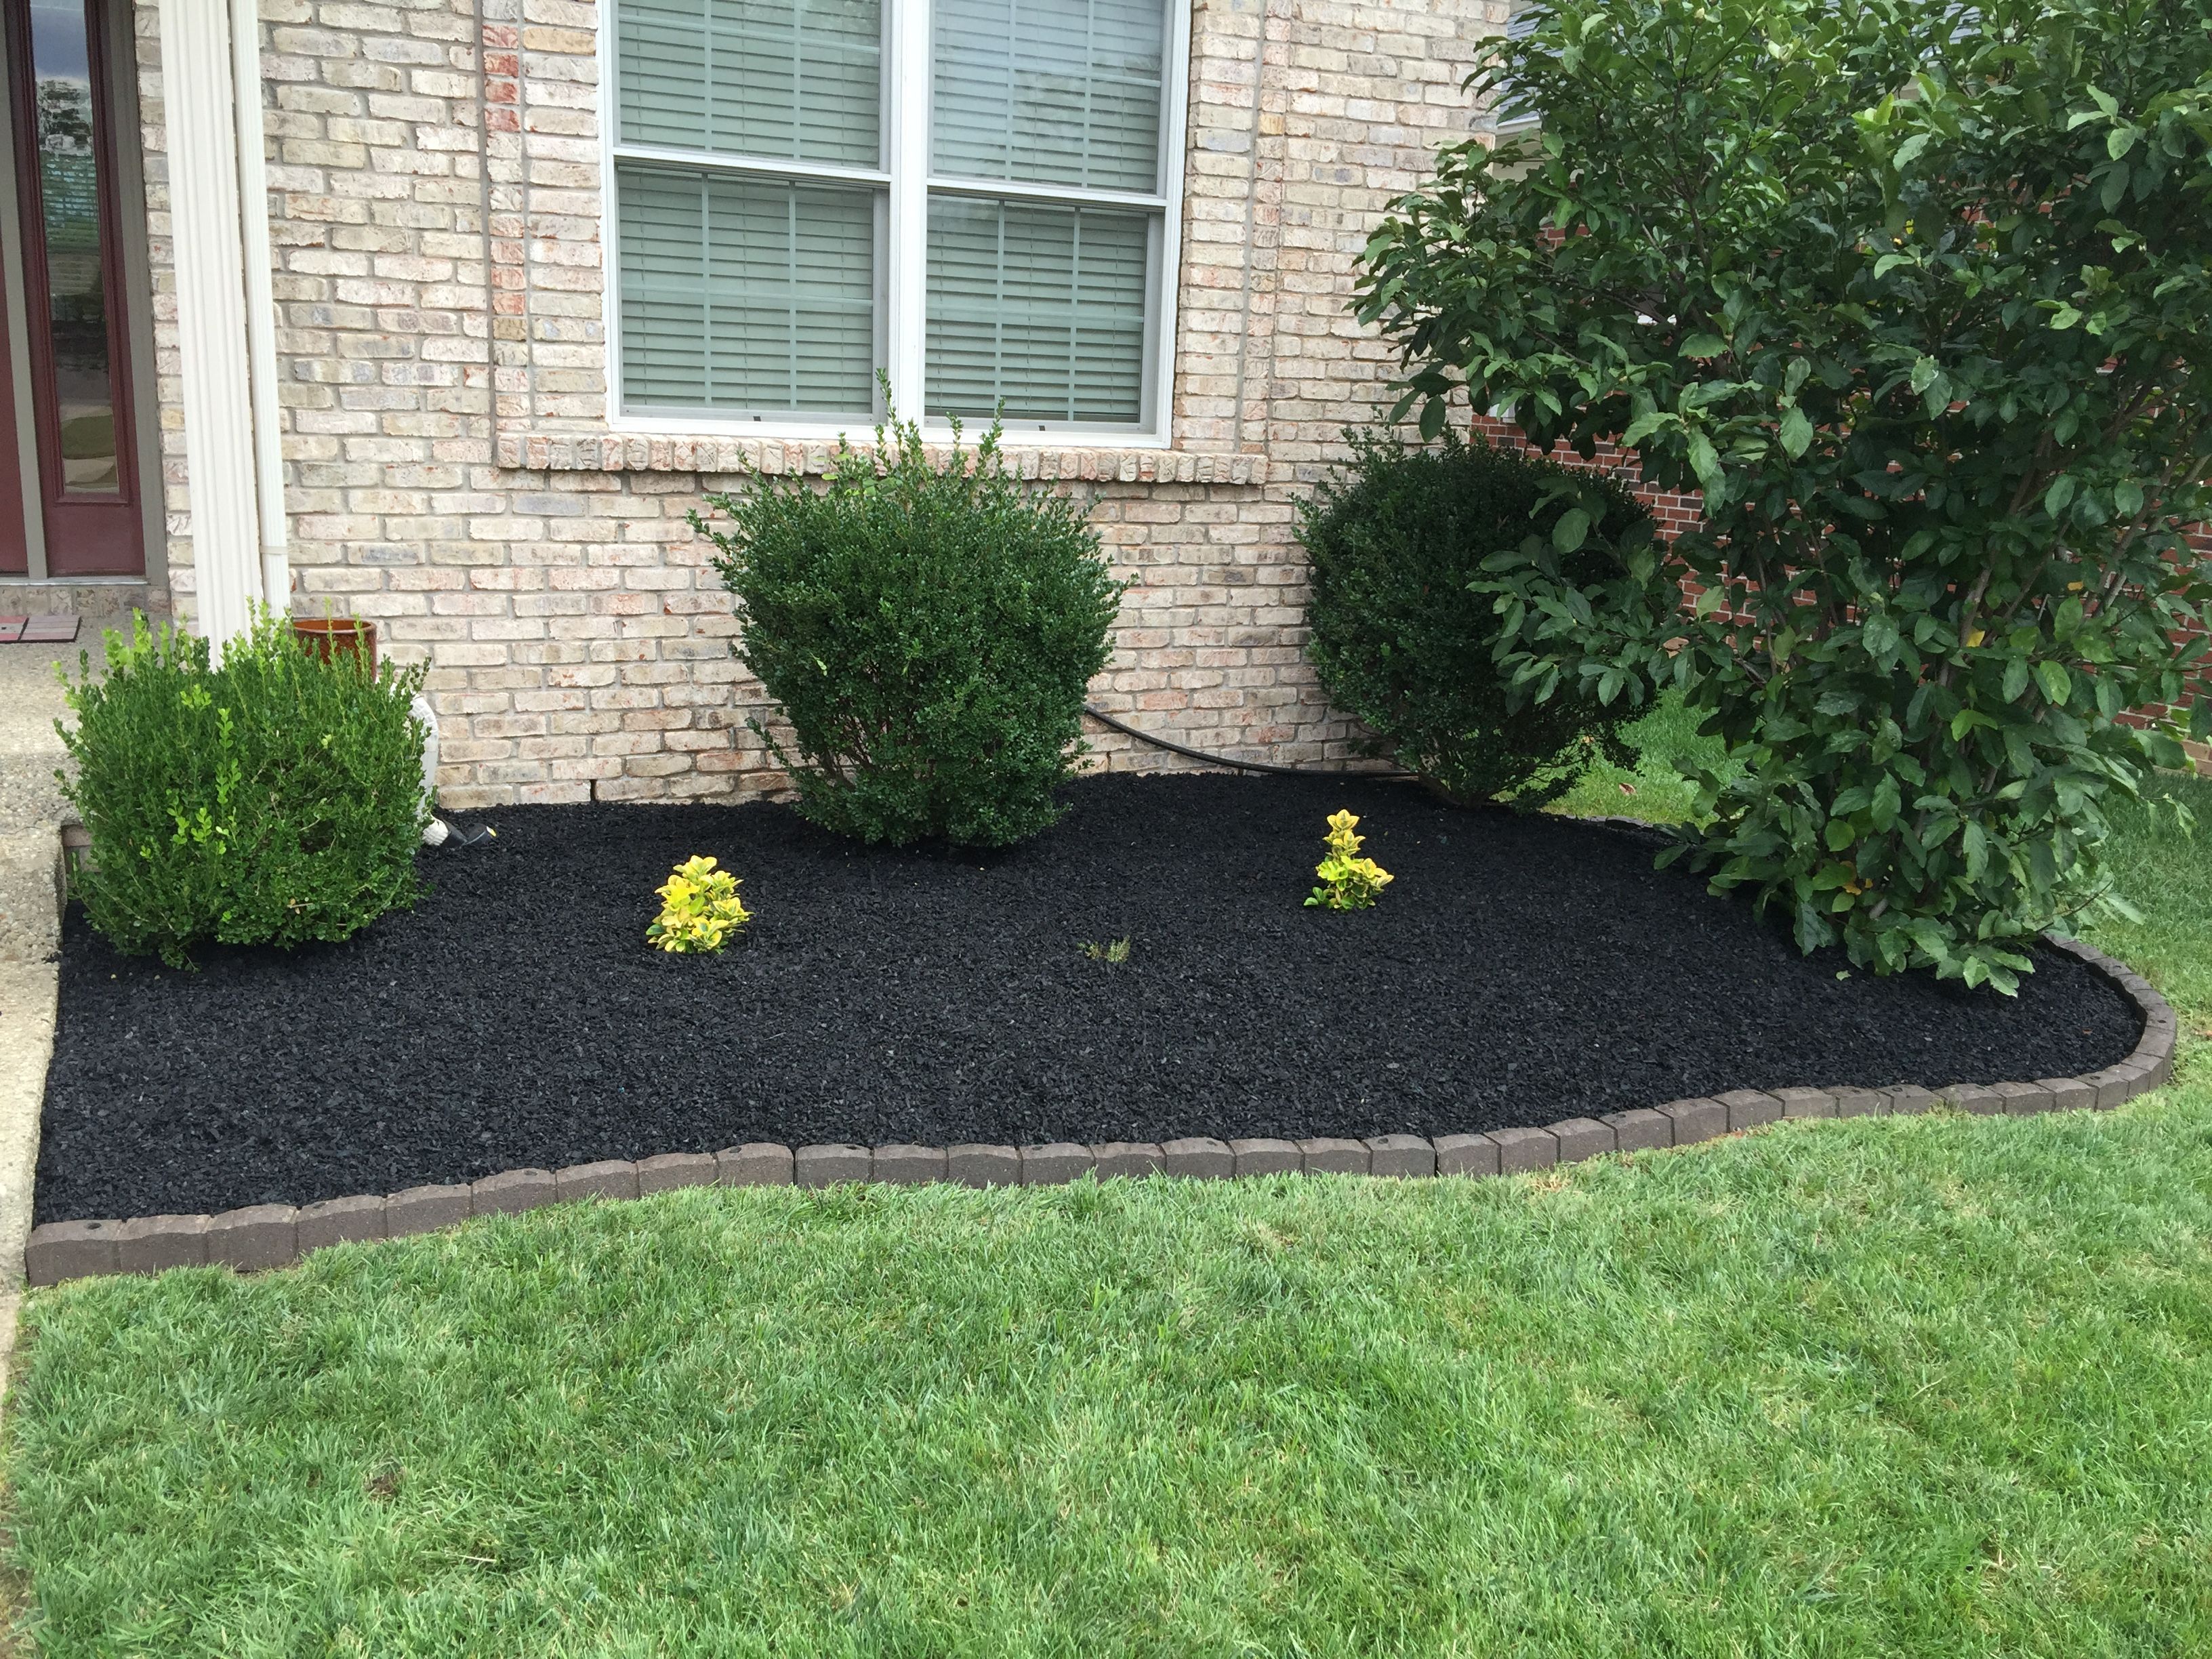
{"x": 907, "y": 231}
{"x": 199, "y": 116}
{"x": 260, "y": 302}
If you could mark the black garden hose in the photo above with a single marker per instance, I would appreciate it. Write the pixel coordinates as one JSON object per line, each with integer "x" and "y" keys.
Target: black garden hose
{"x": 1174, "y": 748}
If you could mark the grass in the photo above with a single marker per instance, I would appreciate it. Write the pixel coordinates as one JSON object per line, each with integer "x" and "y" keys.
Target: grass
{"x": 2166, "y": 874}
{"x": 1667, "y": 743}
{"x": 1935, "y": 1386}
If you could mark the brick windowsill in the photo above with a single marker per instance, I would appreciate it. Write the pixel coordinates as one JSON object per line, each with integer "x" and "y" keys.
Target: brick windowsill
{"x": 573, "y": 452}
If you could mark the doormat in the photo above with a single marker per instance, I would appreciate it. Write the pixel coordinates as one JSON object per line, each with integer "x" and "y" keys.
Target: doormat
{"x": 37, "y": 630}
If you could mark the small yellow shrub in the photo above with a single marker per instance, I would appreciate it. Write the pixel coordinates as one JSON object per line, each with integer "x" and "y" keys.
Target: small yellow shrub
{"x": 700, "y": 908}
{"x": 1348, "y": 881}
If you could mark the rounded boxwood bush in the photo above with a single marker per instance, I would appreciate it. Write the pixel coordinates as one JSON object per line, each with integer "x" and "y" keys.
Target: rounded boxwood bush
{"x": 273, "y": 799}
{"x": 1402, "y": 643}
{"x": 928, "y": 632}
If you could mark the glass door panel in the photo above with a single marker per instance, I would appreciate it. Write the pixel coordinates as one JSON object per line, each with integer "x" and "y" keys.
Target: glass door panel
{"x": 69, "y": 196}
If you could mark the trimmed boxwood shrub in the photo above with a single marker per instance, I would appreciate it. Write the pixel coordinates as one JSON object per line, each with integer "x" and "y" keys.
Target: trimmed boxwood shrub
{"x": 1401, "y": 641}
{"x": 928, "y": 632}
{"x": 273, "y": 799}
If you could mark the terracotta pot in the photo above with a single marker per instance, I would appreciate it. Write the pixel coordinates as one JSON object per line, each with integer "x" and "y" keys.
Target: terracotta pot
{"x": 329, "y": 635}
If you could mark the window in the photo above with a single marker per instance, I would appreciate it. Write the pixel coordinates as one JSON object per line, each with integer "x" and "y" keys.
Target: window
{"x": 975, "y": 197}
{"x": 1509, "y": 118}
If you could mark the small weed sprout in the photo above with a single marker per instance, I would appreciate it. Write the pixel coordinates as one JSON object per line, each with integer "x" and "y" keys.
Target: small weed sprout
{"x": 1118, "y": 951}
{"x": 1348, "y": 882}
{"x": 700, "y": 910}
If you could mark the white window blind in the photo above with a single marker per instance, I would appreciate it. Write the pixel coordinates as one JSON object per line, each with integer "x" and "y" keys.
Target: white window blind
{"x": 741, "y": 291}
{"x": 1049, "y": 91}
{"x": 974, "y": 196}
{"x": 795, "y": 80}
{"x": 1040, "y": 306}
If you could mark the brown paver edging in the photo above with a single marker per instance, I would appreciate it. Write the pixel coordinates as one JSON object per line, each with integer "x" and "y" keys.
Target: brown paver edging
{"x": 277, "y": 1234}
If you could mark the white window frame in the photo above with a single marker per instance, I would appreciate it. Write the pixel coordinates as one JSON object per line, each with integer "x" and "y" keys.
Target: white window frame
{"x": 903, "y": 254}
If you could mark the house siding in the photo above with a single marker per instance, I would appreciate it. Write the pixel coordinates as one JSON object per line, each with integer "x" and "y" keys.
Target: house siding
{"x": 434, "y": 211}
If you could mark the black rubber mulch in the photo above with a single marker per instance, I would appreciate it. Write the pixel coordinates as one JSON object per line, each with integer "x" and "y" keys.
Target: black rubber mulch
{"x": 1519, "y": 970}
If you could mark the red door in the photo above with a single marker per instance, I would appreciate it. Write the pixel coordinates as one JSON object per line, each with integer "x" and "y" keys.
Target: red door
{"x": 73, "y": 288}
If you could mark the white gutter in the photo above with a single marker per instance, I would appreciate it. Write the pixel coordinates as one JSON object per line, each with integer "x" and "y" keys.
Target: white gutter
{"x": 260, "y": 303}
{"x": 199, "y": 116}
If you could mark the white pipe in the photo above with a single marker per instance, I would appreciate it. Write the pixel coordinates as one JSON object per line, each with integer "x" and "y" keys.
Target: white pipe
{"x": 260, "y": 303}
{"x": 198, "y": 118}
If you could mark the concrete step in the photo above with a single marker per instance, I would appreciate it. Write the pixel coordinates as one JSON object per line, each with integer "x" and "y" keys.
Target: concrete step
{"x": 101, "y": 604}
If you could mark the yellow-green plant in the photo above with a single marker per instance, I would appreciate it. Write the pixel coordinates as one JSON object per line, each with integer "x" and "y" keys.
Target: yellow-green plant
{"x": 700, "y": 908}
{"x": 1348, "y": 882}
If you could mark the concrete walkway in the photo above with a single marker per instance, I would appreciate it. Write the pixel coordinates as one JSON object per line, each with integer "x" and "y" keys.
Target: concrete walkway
{"x": 31, "y": 816}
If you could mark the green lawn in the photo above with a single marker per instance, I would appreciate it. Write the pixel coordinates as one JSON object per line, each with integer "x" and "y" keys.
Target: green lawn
{"x": 1665, "y": 740}
{"x": 2167, "y": 875}
{"x": 1935, "y": 1386}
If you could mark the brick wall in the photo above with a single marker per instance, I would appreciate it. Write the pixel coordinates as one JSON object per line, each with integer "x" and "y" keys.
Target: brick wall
{"x": 1672, "y": 511}
{"x": 435, "y": 207}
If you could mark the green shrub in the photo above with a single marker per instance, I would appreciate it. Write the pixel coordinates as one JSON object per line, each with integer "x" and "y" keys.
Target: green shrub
{"x": 275, "y": 799}
{"x": 928, "y": 632}
{"x": 1402, "y": 643}
{"x": 1919, "y": 296}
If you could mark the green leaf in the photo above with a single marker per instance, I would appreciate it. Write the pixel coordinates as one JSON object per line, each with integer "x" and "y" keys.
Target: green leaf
{"x": 1909, "y": 151}
{"x": 2055, "y": 498}
{"x": 1704, "y": 460}
{"x": 1704, "y": 345}
{"x": 2057, "y": 683}
{"x": 1796, "y": 432}
{"x": 1571, "y": 531}
{"x": 1975, "y": 844}
{"x": 1885, "y": 804}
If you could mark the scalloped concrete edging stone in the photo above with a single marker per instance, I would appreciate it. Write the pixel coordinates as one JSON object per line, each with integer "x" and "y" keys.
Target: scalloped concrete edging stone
{"x": 265, "y": 1235}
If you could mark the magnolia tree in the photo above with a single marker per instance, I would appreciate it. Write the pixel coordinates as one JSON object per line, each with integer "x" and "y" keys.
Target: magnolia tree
{"x": 1919, "y": 296}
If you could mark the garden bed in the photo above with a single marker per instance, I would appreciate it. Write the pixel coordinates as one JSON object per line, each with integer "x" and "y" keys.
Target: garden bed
{"x": 1519, "y": 970}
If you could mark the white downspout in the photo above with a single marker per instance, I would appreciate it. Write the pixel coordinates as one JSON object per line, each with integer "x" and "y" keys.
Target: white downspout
{"x": 260, "y": 303}
{"x": 199, "y": 116}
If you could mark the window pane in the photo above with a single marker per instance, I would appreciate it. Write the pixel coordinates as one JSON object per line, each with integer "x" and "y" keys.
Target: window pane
{"x": 746, "y": 294}
{"x": 77, "y": 288}
{"x": 796, "y": 79}
{"x": 1043, "y": 306}
{"x": 1059, "y": 92}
